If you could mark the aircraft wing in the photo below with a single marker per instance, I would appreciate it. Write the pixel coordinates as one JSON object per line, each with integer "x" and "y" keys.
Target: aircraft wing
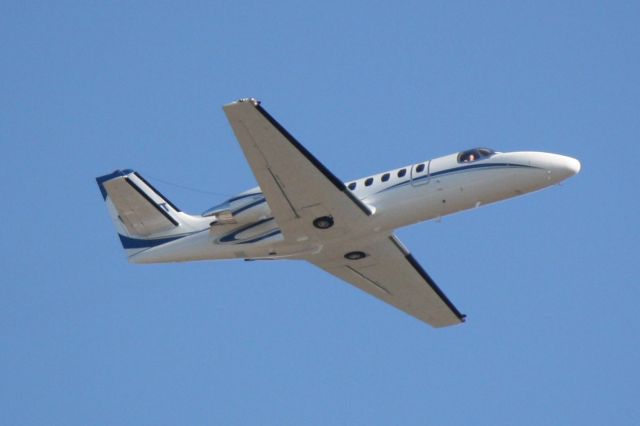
{"x": 390, "y": 273}
{"x": 299, "y": 190}
{"x": 297, "y": 187}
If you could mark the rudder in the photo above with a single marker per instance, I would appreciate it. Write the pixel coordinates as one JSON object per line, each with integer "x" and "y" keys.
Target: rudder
{"x": 142, "y": 216}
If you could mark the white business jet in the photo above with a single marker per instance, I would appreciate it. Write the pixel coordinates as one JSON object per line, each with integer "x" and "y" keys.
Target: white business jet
{"x": 303, "y": 211}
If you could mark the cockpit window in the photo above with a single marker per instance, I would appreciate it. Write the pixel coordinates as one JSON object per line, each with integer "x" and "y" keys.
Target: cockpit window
{"x": 475, "y": 154}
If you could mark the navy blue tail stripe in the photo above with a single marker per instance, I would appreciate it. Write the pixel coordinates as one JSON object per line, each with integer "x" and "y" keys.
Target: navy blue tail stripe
{"x": 156, "y": 191}
{"x": 136, "y": 243}
{"x": 153, "y": 203}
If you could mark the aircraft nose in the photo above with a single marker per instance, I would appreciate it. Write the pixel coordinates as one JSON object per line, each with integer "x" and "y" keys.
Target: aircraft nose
{"x": 564, "y": 167}
{"x": 573, "y": 165}
{"x": 545, "y": 168}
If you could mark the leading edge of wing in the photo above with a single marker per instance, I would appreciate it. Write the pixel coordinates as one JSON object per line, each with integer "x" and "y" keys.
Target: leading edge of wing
{"x": 310, "y": 157}
{"x": 390, "y": 273}
{"x": 421, "y": 271}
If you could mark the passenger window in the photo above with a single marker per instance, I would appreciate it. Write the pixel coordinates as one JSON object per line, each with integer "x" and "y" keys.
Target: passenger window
{"x": 368, "y": 182}
{"x": 402, "y": 172}
{"x": 420, "y": 168}
{"x": 352, "y": 186}
{"x": 385, "y": 177}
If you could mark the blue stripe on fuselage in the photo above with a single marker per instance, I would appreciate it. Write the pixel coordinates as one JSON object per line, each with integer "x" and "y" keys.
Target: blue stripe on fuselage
{"x": 456, "y": 170}
{"x": 248, "y": 206}
{"x": 230, "y": 238}
{"x": 138, "y": 243}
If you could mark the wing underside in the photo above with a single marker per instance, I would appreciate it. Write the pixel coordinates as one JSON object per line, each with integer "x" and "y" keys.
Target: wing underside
{"x": 297, "y": 186}
{"x": 390, "y": 273}
{"x": 299, "y": 189}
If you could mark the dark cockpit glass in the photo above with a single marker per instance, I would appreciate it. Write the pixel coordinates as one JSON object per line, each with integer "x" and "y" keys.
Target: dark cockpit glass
{"x": 475, "y": 154}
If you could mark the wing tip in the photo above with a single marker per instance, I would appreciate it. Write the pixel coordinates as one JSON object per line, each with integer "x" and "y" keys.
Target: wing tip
{"x": 448, "y": 323}
{"x": 252, "y": 101}
{"x": 461, "y": 317}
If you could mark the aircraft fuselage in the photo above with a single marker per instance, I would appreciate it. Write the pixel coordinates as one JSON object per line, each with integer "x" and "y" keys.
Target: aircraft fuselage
{"x": 243, "y": 226}
{"x": 303, "y": 211}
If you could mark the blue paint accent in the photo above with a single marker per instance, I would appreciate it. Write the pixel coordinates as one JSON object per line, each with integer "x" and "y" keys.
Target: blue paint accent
{"x": 136, "y": 243}
{"x": 248, "y": 206}
{"x": 479, "y": 166}
{"x": 102, "y": 179}
{"x": 458, "y": 170}
{"x": 240, "y": 197}
{"x": 153, "y": 189}
{"x": 148, "y": 199}
{"x": 231, "y": 237}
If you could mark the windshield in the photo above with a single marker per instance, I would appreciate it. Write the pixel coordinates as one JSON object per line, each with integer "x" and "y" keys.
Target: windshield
{"x": 475, "y": 154}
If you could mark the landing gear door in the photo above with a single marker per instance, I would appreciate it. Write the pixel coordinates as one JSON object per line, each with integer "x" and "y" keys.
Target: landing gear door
{"x": 420, "y": 173}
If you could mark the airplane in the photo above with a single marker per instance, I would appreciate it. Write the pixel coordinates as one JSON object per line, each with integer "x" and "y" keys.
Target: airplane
{"x": 302, "y": 211}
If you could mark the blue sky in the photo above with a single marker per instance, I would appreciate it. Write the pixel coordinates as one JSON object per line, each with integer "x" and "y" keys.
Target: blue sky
{"x": 548, "y": 281}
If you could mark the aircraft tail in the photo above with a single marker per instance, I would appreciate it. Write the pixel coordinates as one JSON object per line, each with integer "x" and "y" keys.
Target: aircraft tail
{"x": 143, "y": 217}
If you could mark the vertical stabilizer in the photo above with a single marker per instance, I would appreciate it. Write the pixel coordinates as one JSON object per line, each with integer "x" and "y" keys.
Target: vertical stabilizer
{"x": 143, "y": 217}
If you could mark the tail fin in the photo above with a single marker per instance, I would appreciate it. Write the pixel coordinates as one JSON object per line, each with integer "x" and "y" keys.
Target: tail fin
{"x": 142, "y": 216}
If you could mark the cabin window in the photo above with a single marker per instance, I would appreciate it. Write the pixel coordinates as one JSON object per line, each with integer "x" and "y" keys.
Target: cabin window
{"x": 385, "y": 177}
{"x": 402, "y": 172}
{"x": 352, "y": 186}
{"x": 420, "y": 168}
{"x": 475, "y": 154}
{"x": 368, "y": 182}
